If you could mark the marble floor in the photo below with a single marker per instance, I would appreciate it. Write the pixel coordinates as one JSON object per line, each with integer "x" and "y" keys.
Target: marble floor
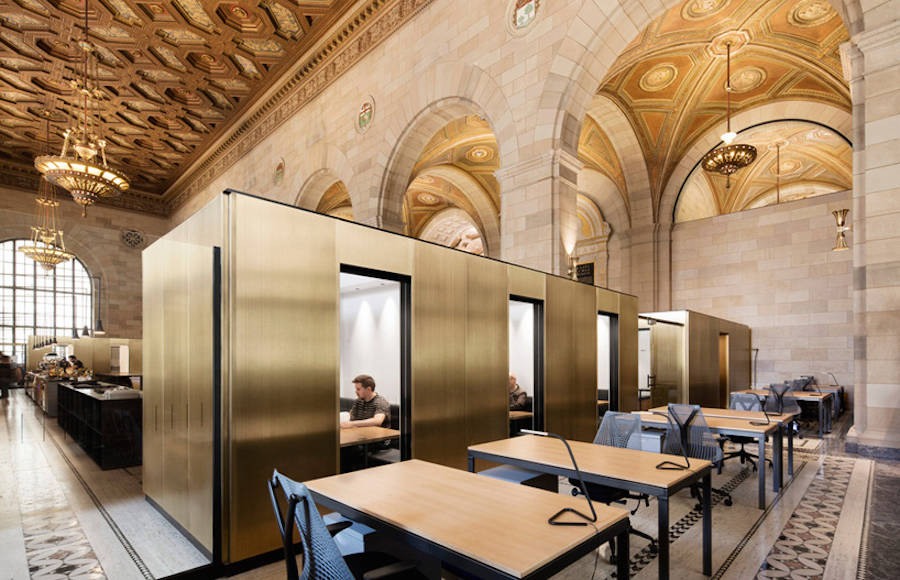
{"x": 839, "y": 518}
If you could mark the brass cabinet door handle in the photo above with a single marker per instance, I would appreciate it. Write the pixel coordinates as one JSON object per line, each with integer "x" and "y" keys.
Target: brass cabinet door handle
{"x": 201, "y": 413}
{"x": 156, "y": 417}
{"x": 186, "y": 416}
{"x": 172, "y": 420}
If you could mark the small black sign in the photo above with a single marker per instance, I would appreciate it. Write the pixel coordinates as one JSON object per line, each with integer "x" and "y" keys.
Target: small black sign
{"x": 585, "y": 272}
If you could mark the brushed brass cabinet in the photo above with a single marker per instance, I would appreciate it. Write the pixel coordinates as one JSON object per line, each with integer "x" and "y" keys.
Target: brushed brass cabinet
{"x": 527, "y": 283}
{"x": 283, "y": 397}
{"x": 487, "y": 347}
{"x": 628, "y": 353}
{"x": 667, "y": 362}
{"x": 703, "y": 359}
{"x": 152, "y": 385}
{"x": 439, "y": 313}
{"x": 371, "y": 248}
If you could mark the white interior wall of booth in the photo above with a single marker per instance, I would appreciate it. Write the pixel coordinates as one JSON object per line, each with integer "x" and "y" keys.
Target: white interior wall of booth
{"x": 643, "y": 357}
{"x": 370, "y": 334}
{"x": 603, "y": 348}
{"x": 521, "y": 344}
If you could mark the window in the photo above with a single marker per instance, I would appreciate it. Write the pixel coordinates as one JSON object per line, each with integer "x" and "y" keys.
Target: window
{"x": 36, "y": 301}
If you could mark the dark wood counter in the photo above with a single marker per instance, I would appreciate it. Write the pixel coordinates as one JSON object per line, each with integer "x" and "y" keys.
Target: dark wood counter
{"x": 109, "y": 430}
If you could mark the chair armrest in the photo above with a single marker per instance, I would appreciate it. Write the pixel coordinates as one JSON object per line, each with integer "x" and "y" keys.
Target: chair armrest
{"x": 389, "y": 570}
{"x": 337, "y": 527}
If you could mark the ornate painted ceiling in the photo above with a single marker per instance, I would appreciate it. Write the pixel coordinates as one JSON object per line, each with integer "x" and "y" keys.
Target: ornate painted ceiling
{"x": 815, "y": 160}
{"x": 336, "y": 202}
{"x": 670, "y": 80}
{"x": 597, "y": 152}
{"x": 174, "y": 73}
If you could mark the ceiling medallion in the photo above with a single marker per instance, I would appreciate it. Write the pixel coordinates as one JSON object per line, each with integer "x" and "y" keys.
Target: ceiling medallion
{"x": 702, "y": 9}
{"x": 658, "y": 78}
{"x": 747, "y": 79}
{"x": 520, "y": 15}
{"x": 83, "y": 171}
{"x": 733, "y": 40}
{"x": 365, "y": 115}
{"x": 426, "y": 179}
{"x": 480, "y": 154}
{"x": 427, "y": 198}
{"x": 810, "y": 13}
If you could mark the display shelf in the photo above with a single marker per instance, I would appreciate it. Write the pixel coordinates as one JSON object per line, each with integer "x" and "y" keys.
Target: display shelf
{"x": 109, "y": 431}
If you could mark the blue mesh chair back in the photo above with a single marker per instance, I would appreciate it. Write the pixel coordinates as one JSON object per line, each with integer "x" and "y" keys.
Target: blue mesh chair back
{"x": 745, "y": 402}
{"x": 780, "y": 400}
{"x": 619, "y": 430}
{"x": 688, "y": 434}
{"x": 321, "y": 558}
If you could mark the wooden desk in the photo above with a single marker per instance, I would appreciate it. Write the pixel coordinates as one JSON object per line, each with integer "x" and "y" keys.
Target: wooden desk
{"x": 823, "y": 401}
{"x": 785, "y": 420}
{"x": 481, "y": 526}
{"x": 742, "y": 428}
{"x": 611, "y": 466}
{"x": 516, "y": 415}
{"x": 366, "y": 435}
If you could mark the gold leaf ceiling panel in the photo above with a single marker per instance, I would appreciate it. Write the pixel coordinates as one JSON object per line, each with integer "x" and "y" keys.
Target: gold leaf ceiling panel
{"x": 166, "y": 66}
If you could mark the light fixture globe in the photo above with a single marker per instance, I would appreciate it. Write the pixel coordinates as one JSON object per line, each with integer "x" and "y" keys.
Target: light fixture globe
{"x": 728, "y": 159}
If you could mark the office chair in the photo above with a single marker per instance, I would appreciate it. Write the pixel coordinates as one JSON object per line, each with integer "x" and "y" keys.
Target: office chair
{"x": 742, "y": 402}
{"x": 781, "y": 401}
{"x": 617, "y": 430}
{"x": 688, "y": 434}
{"x": 321, "y": 558}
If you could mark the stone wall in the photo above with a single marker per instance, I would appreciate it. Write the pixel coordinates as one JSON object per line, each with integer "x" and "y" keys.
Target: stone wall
{"x": 96, "y": 241}
{"x": 772, "y": 269}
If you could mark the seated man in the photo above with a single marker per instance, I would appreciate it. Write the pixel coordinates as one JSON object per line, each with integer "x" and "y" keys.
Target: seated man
{"x": 517, "y": 397}
{"x": 369, "y": 409}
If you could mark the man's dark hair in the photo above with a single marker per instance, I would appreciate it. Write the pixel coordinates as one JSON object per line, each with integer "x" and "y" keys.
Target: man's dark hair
{"x": 73, "y": 357}
{"x": 366, "y": 381}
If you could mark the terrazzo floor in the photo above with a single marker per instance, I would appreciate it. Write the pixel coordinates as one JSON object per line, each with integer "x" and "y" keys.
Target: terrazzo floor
{"x": 839, "y": 518}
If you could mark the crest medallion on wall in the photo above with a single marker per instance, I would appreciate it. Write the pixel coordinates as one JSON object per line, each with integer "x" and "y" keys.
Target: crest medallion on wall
{"x": 520, "y": 15}
{"x": 365, "y": 115}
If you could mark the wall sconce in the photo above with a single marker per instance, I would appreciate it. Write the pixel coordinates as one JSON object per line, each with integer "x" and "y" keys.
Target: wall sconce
{"x": 572, "y": 272}
{"x": 840, "y": 218}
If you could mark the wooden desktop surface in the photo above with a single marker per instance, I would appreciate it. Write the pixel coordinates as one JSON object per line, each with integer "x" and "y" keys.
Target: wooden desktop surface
{"x": 737, "y": 414}
{"x": 513, "y": 415}
{"x": 364, "y": 435}
{"x": 625, "y": 464}
{"x": 499, "y": 523}
{"x": 601, "y": 402}
{"x": 720, "y": 424}
{"x": 799, "y": 395}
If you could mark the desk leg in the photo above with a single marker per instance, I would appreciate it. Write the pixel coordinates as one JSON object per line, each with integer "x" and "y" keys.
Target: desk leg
{"x": 790, "y": 431}
{"x": 471, "y": 464}
{"x": 821, "y": 421}
{"x": 707, "y": 524}
{"x": 830, "y": 411}
{"x": 762, "y": 472}
{"x": 623, "y": 557}
{"x": 662, "y": 539}
{"x": 777, "y": 461}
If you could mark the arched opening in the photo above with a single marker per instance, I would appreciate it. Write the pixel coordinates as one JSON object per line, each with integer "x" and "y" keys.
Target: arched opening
{"x": 336, "y": 202}
{"x": 453, "y": 228}
{"x": 34, "y": 301}
{"x": 591, "y": 249}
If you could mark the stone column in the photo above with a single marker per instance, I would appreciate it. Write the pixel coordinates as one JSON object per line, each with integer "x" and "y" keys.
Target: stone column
{"x": 874, "y": 57}
{"x": 538, "y": 219}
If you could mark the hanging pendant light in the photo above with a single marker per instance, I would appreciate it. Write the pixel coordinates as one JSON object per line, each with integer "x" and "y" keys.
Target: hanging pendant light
{"x": 47, "y": 247}
{"x": 729, "y": 158}
{"x": 83, "y": 171}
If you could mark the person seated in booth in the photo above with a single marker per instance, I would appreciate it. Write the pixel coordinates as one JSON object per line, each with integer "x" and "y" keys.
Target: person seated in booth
{"x": 517, "y": 396}
{"x": 369, "y": 409}
{"x": 75, "y": 365}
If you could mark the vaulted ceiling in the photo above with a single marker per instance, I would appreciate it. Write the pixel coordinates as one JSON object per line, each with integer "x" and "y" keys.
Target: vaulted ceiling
{"x": 670, "y": 80}
{"x": 174, "y": 73}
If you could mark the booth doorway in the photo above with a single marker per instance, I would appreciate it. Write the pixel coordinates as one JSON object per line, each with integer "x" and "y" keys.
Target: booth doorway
{"x": 375, "y": 341}
{"x": 607, "y": 362}
{"x": 724, "y": 370}
{"x": 526, "y": 360}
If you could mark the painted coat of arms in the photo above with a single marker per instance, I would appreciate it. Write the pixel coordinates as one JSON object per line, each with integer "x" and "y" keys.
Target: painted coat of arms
{"x": 365, "y": 115}
{"x": 525, "y": 12}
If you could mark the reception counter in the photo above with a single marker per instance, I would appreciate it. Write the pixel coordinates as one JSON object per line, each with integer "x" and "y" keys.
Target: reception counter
{"x": 105, "y": 421}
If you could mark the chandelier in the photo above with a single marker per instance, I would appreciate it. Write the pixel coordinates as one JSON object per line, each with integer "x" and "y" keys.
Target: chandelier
{"x": 81, "y": 168}
{"x": 729, "y": 158}
{"x": 47, "y": 247}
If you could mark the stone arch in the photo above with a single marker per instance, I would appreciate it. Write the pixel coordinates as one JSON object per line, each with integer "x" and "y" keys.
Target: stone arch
{"x": 445, "y": 91}
{"x": 444, "y": 225}
{"x": 602, "y": 190}
{"x": 327, "y": 165}
{"x": 486, "y": 215}
{"x": 820, "y": 113}
{"x": 598, "y": 34}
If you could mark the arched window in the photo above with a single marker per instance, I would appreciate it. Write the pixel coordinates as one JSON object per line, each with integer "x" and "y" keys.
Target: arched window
{"x": 34, "y": 301}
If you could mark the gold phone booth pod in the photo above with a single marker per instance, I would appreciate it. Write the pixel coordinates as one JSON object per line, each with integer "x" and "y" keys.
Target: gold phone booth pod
{"x": 241, "y": 349}
{"x": 696, "y": 358}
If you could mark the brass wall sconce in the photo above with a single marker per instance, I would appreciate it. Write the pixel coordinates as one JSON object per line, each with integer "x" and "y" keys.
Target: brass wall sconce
{"x": 572, "y": 272}
{"x": 840, "y": 218}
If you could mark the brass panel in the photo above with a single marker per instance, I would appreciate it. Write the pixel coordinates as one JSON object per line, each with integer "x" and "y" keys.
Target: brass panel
{"x": 570, "y": 386}
{"x": 724, "y": 374}
{"x": 283, "y": 360}
{"x": 740, "y": 356}
{"x": 439, "y": 313}
{"x": 628, "y": 353}
{"x": 371, "y": 248}
{"x": 487, "y": 351}
{"x": 135, "y": 356}
{"x": 527, "y": 283}
{"x": 153, "y": 261}
{"x": 607, "y": 300}
{"x": 702, "y": 359}
{"x": 667, "y": 363}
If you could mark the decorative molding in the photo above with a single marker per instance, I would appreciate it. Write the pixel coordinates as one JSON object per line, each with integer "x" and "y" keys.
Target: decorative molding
{"x": 359, "y": 34}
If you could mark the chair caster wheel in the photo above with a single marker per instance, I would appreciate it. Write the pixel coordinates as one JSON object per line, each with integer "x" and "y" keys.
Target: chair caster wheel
{"x": 727, "y": 501}
{"x": 574, "y": 492}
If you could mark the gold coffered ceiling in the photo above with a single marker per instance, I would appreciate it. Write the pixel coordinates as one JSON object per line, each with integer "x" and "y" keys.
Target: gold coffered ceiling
{"x": 174, "y": 73}
{"x": 670, "y": 81}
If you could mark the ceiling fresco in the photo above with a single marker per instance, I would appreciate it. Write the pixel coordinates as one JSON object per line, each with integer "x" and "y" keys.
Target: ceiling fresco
{"x": 598, "y": 153}
{"x": 429, "y": 195}
{"x": 815, "y": 160}
{"x": 174, "y": 73}
{"x": 336, "y": 202}
{"x": 670, "y": 80}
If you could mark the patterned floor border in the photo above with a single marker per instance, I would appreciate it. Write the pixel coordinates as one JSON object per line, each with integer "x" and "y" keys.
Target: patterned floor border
{"x": 862, "y": 566}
